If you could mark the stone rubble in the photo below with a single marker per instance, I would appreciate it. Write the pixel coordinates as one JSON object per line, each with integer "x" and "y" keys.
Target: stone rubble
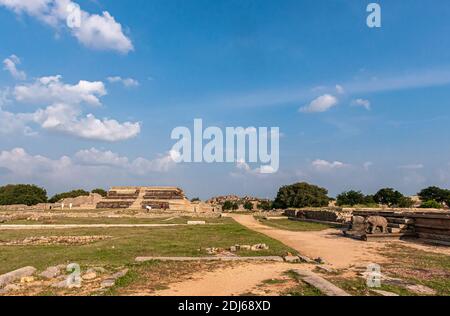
{"x": 55, "y": 240}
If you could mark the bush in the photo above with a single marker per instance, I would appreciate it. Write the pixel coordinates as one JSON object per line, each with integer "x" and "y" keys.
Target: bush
{"x": 301, "y": 195}
{"x": 230, "y": 206}
{"x": 431, "y": 204}
{"x": 100, "y": 191}
{"x": 265, "y": 205}
{"x": 350, "y": 198}
{"x": 405, "y": 202}
{"x": 388, "y": 196}
{"x": 22, "y": 194}
{"x": 195, "y": 199}
{"x": 248, "y": 206}
{"x": 72, "y": 194}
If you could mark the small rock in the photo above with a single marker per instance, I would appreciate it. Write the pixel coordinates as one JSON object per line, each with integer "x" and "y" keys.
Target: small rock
{"x": 420, "y": 289}
{"x": 325, "y": 269}
{"x": 245, "y": 247}
{"x": 27, "y": 279}
{"x": 292, "y": 259}
{"x": 89, "y": 275}
{"x": 51, "y": 272}
{"x": 319, "y": 260}
{"x": 108, "y": 283}
{"x": 233, "y": 249}
{"x": 305, "y": 259}
{"x": 384, "y": 293}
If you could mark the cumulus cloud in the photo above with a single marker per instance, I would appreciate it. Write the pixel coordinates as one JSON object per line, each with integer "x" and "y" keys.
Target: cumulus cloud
{"x": 245, "y": 168}
{"x": 101, "y": 168}
{"x": 323, "y": 165}
{"x": 51, "y": 90}
{"x": 63, "y": 112}
{"x": 100, "y": 32}
{"x": 140, "y": 166}
{"x": 67, "y": 119}
{"x": 127, "y": 82}
{"x": 320, "y": 104}
{"x": 362, "y": 103}
{"x": 10, "y": 64}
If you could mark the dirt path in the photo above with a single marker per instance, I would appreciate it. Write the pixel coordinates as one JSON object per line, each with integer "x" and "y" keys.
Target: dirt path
{"x": 232, "y": 281}
{"x": 330, "y": 245}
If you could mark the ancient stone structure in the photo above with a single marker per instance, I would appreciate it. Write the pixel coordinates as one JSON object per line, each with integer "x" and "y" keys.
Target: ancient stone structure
{"x": 152, "y": 199}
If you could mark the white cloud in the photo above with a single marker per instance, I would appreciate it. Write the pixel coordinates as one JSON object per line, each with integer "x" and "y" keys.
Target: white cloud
{"x": 340, "y": 89}
{"x": 94, "y": 156}
{"x": 64, "y": 173}
{"x": 323, "y": 165}
{"x": 10, "y": 64}
{"x": 21, "y": 164}
{"x": 66, "y": 119}
{"x": 246, "y": 169}
{"x": 127, "y": 82}
{"x": 320, "y": 104}
{"x": 100, "y": 32}
{"x": 52, "y": 90}
{"x": 139, "y": 166}
{"x": 362, "y": 102}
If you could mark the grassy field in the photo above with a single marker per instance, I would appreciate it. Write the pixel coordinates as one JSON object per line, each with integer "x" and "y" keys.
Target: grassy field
{"x": 409, "y": 264}
{"x": 113, "y": 220}
{"x": 128, "y": 243}
{"x": 296, "y": 226}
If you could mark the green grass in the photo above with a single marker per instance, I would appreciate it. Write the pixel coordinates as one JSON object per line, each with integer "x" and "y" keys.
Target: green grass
{"x": 297, "y": 226}
{"x": 111, "y": 220}
{"x": 419, "y": 267}
{"x": 302, "y": 289}
{"x": 128, "y": 243}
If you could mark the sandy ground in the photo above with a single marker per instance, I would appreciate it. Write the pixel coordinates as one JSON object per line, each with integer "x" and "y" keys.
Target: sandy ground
{"x": 231, "y": 281}
{"x": 330, "y": 245}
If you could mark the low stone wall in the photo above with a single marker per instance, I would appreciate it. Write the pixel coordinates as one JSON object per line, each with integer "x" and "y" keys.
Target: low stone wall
{"x": 324, "y": 215}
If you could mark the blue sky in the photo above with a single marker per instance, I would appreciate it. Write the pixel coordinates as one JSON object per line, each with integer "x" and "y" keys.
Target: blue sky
{"x": 231, "y": 63}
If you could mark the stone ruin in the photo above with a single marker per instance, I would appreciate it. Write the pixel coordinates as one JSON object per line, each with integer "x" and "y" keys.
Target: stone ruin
{"x": 152, "y": 199}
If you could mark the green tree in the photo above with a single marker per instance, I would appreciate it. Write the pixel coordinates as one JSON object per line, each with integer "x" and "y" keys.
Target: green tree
{"x": 405, "y": 202}
{"x": 431, "y": 204}
{"x": 196, "y": 199}
{"x": 22, "y": 194}
{"x": 235, "y": 206}
{"x": 435, "y": 193}
{"x": 350, "y": 198}
{"x": 227, "y": 206}
{"x": 265, "y": 205}
{"x": 301, "y": 195}
{"x": 388, "y": 196}
{"x": 72, "y": 194}
{"x": 100, "y": 191}
{"x": 248, "y": 206}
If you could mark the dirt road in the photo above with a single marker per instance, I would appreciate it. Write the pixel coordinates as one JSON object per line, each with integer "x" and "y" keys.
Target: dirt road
{"x": 231, "y": 281}
{"x": 330, "y": 245}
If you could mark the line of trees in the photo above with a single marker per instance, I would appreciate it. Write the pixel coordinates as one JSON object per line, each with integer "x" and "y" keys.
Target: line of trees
{"x": 29, "y": 194}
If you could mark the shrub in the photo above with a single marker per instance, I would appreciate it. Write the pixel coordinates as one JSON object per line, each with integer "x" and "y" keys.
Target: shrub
{"x": 405, "y": 202}
{"x": 100, "y": 191}
{"x": 248, "y": 206}
{"x": 195, "y": 199}
{"x": 72, "y": 194}
{"x": 431, "y": 204}
{"x": 301, "y": 195}
{"x": 22, "y": 194}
